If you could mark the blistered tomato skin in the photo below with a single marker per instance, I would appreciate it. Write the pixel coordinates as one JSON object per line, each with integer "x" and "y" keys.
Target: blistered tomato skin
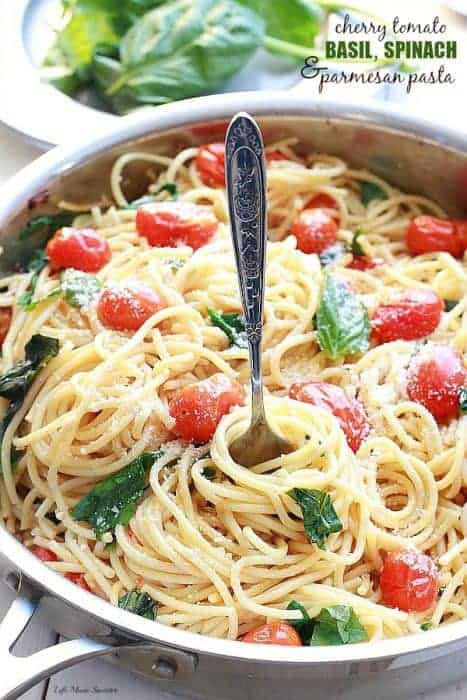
{"x": 415, "y": 314}
{"x": 315, "y": 230}
{"x": 198, "y": 408}
{"x": 428, "y": 234}
{"x": 435, "y": 380}
{"x": 279, "y": 633}
{"x": 409, "y": 581}
{"x": 210, "y": 163}
{"x": 127, "y": 308}
{"x": 170, "y": 224}
{"x": 5, "y": 320}
{"x": 78, "y": 580}
{"x": 82, "y": 249}
{"x": 349, "y": 412}
{"x": 44, "y": 554}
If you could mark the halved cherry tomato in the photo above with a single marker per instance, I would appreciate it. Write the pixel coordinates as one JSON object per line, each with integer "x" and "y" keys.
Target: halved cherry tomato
{"x": 364, "y": 263}
{"x": 412, "y": 315}
{"x": 83, "y": 249}
{"x": 210, "y": 163}
{"x": 279, "y": 633}
{"x": 315, "y": 230}
{"x": 168, "y": 224}
{"x": 322, "y": 201}
{"x": 198, "y": 408}
{"x": 428, "y": 234}
{"x": 127, "y": 308}
{"x": 44, "y": 554}
{"x": 409, "y": 581}
{"x": 78, "y": 580}
{"x": 5, "y": 320}
{"x": 349, "y": 412}
{"x": 461, "y": 229}
{"x": 436, "y": 379}
{"x": 274, "y": 156}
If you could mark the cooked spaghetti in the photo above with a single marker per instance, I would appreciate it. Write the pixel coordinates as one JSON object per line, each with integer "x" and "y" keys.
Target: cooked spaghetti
{"x": 220, "y": 549}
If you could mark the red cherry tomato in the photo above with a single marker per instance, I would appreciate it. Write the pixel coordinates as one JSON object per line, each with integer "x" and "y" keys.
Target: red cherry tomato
{"x": 412, "y": 315}
{"x": 409, "y": 581}
{"x": 210, "y": 163}
{"x": 198, "y": 408}
{"x": 83, "y": 249}
{"x": 44, "y": 554}
{"x": 427, "y": 234}
{"x": 169, "y": 224}
{"x": 349, "y": 412}
{"x": 127, "y": 308}
{"x": 5, "y": 320}
{"x": 274, "y": 156}
{"x": 279, "y": 633}
{"x": 461, "y": 229}
{"x": 435, "y": 381}
{"x": 364, "y": 263}
{"x": 315, "y": 230}
{"x": 322, "y": 201}
{"x": 78, "y": 580}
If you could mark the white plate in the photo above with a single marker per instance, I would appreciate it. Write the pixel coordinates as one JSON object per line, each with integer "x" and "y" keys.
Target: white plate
{"x": 47, "y": 117}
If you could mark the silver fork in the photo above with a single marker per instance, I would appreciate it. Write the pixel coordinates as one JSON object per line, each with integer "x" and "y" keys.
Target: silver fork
{"x": 246, "y": 192}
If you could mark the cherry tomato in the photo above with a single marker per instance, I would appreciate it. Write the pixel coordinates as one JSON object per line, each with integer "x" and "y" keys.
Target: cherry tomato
{"x": 274, "y": 156}
{"x": 78, "y": 580}
{"x": 169, "y": 224}
{"x": 127, "y": 308}
{"x": 315, "y": 230}
{"x": 198, "y": 408}
{"x": 461, "y": 230}
{"x": 409, "y": 581}
{"x": 83, "y": 249}
{"x": 349, "y": 412}
{"x": 210, "y": 163}
{"x": 412, "y": 315}
{"x": 5, "y": 320}
{"x": 279, "y": 633}
{"x": 427, "y": 234}
{"x": 435, "y": 381}
{"x": 322, "y": 201}
{"x": 44, "y": 554}
{"x": 364, "y": 263}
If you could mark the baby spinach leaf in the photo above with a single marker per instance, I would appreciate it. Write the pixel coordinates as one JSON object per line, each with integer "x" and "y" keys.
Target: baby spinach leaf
{"x": 294, "y": 21}
{"x": 113, "y": 501}
{"x": 342, "y": 322}
{"x": 139, "y": 603}
{"x": 171, "y": 187}
{"x": 233, "y": 326}
{"x": 332, "y": 255}
{"x": 463, "y": 400}
{"x": 304, "y": 626}
{"x": 370, "y": 191}
{"x": 80, "y": 288}
{"x": 319, "y": 515}
{"x": 337, "y": 625}
{"x": 450, "y": 304}
{"x": 355, "y": 247}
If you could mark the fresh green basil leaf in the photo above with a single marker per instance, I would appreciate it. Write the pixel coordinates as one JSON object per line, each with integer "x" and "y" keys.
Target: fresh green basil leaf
{"x": 209, "y": 473}
{"x": 80, "y": 288}
{"x": 370, "y": 191}
{"x": 319, "y": 515}
{"x": 294, "y": 21}
{"x": 36, "y": 264}
{"x": 113, "y": 501}
{"x": 81, "y": 36}
{"x": 426, "y": 626}
{"x": 139, "y": 603}
{"x": 304, "y": 626}
{"x": 355, "y": 247}
{"x": 342, "y": 322}
{"x": 233, "y": 326}
{"x": 45, "y": 225}
{"x": 338, "y": 625}
{"x": 450, "y": 304}
{"x": 463, "y": 400}
{"x": 332, "y": 255}
{"x": 171, "y": 187}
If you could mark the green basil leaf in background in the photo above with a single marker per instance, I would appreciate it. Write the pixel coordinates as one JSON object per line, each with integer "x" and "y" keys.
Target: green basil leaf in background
{"x": 80, "y": 288}
{"x": 450, "y": 304}
{"x": 463, "y": 400}
{"x": 294, "y": 21}
{"x": 139, "y": 603}
{"x": 113, "y": 501}
{"x": 304, "y": 626}
{"x": 170, "y": 187}
{"x": 370, "y": 191}
{"x": 182, "y": 49}
{"x": 332, "y": 255}
{"x": 78, "y": 40}
{"x": 355, "y": 247}
{"x": 342, "y": 322}
{"x": 45, "y": 225}
{"x": 337, "y": 625}
{"x": 233, "y": 326}
{"x": 319, "y": 515}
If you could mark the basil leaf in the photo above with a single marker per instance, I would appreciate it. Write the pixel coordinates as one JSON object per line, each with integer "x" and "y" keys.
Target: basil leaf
{"x": 45, "y": 225}
{"x": 139, "y": 603}
{"x": 294, "y": 21}
{"x": 171, "y": 187}
{"x": 370, "y": 191}
{"x": 342, "y": 322}
{"x": 81, "y": 36}
{"x": 304, "y": 626}
{"x": 332, "y": 254}
{"x": 355, "y": 247}
{"x": 233, "y": 326}
{"x": 113, "y": 501}
{"x": 80, "y": 288}
{"x": 450, "y": 304}
{"x": 426, "y": 626}
{"x": 209, "y": 473}
{"x": 463, "y": 400}
{"x": 337, "y": 625}
{"x": 37, "y": 263}
{"x": 319, "y": 515}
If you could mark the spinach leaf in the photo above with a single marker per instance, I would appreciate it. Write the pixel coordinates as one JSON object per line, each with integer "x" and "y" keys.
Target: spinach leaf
{"x": 370, "y": 191}
{"x": 337, "y": 625}
{"x": 331, "y": 255}
{"x": 80, "y": 288}
{"x": 37, "y": 263}
{"x": 450, "y": 304}
{"x": 342, "y": 322}
{"x": 113, "y": 501}
{"x": 181, "y": 49}
{"x": 171, "y": 187}
{"x": 233, "y": 326}
{"x": 355, "y": 247}
{"x": 463, "y": 400}
{"x": 45, "y": 225}
{"x": 319, "y": 516}
{"x": 294, "y": 21}
{"x": 304, "y": 626}
{"x": 139, "y": 603}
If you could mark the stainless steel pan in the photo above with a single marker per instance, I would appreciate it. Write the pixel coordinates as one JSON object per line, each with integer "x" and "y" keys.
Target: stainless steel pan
{"x": 410, "y": 153}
